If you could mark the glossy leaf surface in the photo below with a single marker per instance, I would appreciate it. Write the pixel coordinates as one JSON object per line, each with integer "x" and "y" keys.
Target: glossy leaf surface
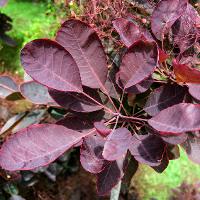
{"x": 165, "y": 14}
{"x": 37, "y": 146}
{"x": 85, "y": 46}
{"x": 50, "y": 64}
{"x": 138, "y": 63}
{"x": 179, "y": 118}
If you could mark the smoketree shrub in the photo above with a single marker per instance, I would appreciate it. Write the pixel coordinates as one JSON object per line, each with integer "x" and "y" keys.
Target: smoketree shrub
{"x": 138, "y": 112}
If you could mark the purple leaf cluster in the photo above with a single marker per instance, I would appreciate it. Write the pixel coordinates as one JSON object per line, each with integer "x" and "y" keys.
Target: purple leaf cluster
{"x": 138, "y": 111}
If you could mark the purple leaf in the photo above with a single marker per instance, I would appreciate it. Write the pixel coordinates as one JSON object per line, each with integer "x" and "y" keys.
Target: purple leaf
{"x": 192, "y": 148}
{"x": 148, "y": 149}
{"x": 76, "y": 123}
{"x": 130, "y": 32}
{"x": 111, "y": 86}
{"x": 50, "y": 64}
{"x": 86, "y": 48}
{"x": 141, "y": 87}
{"x": 77, "y": 102}
{"x": 102, "y": 129}
{"x": 91, "y": 154}
{"x": 36, "y": 146}
{"x": 164, "y": 97}
{"x": 138, "y": 63}
{"x": 194, "y": 90}
{"x": 7, "y": 86}
{"x": 36, "y": 93}
{"x": 179, "y": 118}
{"x": 110, "y": 176}
{"x": 163, "y": 165}
{"x": 117, "y": 144}
{"x": 165, "y": 14}
{"x": 185, "y": 29}
{"x": 175, "y": 139}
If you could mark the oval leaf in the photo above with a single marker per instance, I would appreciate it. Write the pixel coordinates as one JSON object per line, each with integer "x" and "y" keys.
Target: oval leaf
{"x": 91, "y": 154}
{"x": 165, "y": 14}
{"x": 50, "y": 64}
{"x": 36, "y": 146}
{"x": 148, "y": 149}
{"x": 179, "y": 118}
{"x": 7, "y": 86}
{"x": 130, "y": 32}
{"x": 35, "y": 92}
{"x": 194, "y": 90}
{"x": 110, "y": 176}
{"x": 117, "y": 144}
{"x": 138, "y": 63}
{"x": 185, "y": 29}
{"x": 86, "y": 48}
{"x": 164, "y": 97}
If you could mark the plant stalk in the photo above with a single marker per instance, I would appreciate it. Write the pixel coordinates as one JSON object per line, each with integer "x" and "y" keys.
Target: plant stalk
{"x": 115, "y": 191}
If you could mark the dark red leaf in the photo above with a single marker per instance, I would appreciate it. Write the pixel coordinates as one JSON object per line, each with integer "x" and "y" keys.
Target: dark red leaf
{"x": 165, "y": 14}
{"x": 50, "y": 64}
{"x": 192, "y": 148}
{"x": 36, "y": 146}
{"x": 91, "y": 154}
{"x": 185, "y": 73}
{"x": 175, "y": 139}
{"x": 138, "y": 63}
{"x": 76, "y": 123}
{"x": 162, "y": 56}
{"x": 163, "y": 165}
{"x": 164, "y": 97}
{"x": 117, "y": 144}
{"x": 130, "y": 32}
{"x": 141, "y": 87}
{"x": 194, "y": 90}
{"x": 102, "y": 129}
{"x": 179, "y": 118}
{"x": 185, "y": 29}
{"x": 77, "y": 102}
{"x": 7, "y": 86}
{"x": 86, "y": 48}
{"x": 110, "y": 177}
{"x": 148, "y": 149}
{"x": 111, "y": 86}
{"x": 35, "y": 93}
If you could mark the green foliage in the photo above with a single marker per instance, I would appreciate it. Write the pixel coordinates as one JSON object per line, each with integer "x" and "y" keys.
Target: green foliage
{"x": 31, "y": 20}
